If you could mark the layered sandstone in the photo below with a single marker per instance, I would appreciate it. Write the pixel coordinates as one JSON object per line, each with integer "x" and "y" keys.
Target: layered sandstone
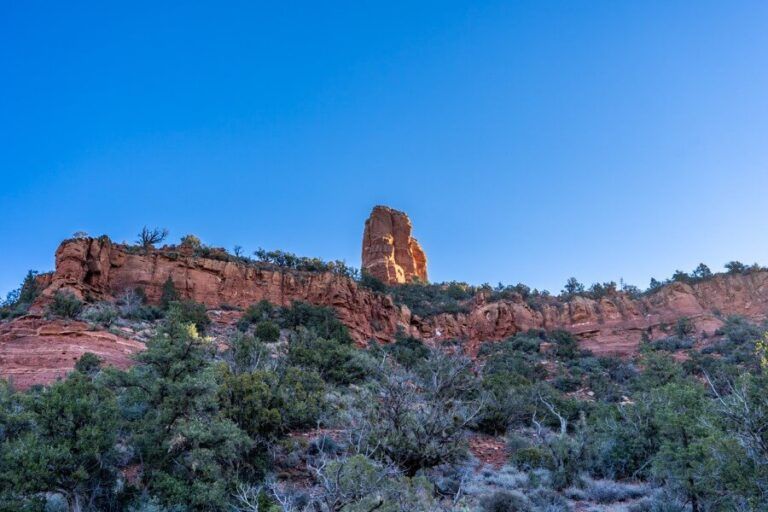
{"x": 97, "y": 269}
{"x": 34, "y": 350}
{"x": 390, "y": 253}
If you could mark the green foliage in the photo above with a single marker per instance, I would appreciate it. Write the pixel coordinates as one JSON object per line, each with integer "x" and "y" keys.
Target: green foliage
{"x": 658, "y": 370}
{"x": 262, "y": 310}
{"x": 266, "y": 403}
{"x": 191, "y": 241}
{"x": 426, "y": 300}
{"x": 503, "y": 501}
{"x": 532, "y": 457}
{"x": 18, "y": 301}
{"x": 418, "y": 421}
{"x": 671, "y": 344}
{"x": 372, "y": 283}
{"x": 65, "y": 305}
{"x": 169, "y": 294}
{"x": 600, "y": 290}
{"x": 736, "y": 267}
{"x": 623, "y": 439}
{"x": 572, "y": 287}
{"x": 88, "y": 364}
{"x": 211, "y": 422}
{"x": 321, "y": 320}
{"x": 359, "y": 484}
{"x": 407, "y": 350}
{"x": 100, "y": 313}
{"x": 335, "y": 361}
{"x": 267, "y": 331}
{"x": 189, "y": 449}
{"x": 566, "y": 346}
{"x": 511, "y": 368}
{"x": 189, "y": 312}
{"x": 679, "y": 414}
{"x": 63, "y": 442}
{"x": 287, "y": 260}
{"x": 684, "y": 327}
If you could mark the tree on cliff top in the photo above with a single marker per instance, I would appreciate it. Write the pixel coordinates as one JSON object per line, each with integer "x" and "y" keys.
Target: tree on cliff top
{"x": 149, "y": 237}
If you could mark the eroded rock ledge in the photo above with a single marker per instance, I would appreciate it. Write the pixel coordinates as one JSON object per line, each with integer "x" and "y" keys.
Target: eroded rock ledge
{"x": 99, "y": 269}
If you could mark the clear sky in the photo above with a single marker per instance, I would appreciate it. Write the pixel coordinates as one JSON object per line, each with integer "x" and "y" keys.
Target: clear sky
{"x": 528, "y": 141}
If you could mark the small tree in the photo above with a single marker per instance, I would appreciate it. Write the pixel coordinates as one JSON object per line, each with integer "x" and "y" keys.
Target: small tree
{"x": 169, "y": 293}
{"x": 65, "y": 304}
{"x": 88, "y": 364}
{"x": 267, "y": 331}
{"x": 573, "y": 287}
{"x": 149, "y": 237}
{"x": 419, "y": 421}
{"x": 702, "y": 272}
{"x": 654, "y": 285}
{"x": 69, "y": 447}
{"x": 191, "y": 241}
{"x": 684, "y": 327}
{"x": 735, "y": 267}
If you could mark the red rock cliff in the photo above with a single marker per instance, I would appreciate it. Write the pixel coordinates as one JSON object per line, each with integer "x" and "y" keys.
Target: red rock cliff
{"x": 34, "y": 350}
{"x": 390, "y": 253}
{"x": 99, "y": 269}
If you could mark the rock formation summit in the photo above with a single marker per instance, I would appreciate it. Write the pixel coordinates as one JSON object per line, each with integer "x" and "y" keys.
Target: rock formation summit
{"x": 390, "y": 253}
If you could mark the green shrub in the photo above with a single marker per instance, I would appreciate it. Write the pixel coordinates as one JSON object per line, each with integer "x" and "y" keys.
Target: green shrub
{"x": 505, "y": 501}
{"x": 684, "y": 327}
{"x": 169, "y": 294}
{"x": 407, "y": 350}
{"x": 532, "y": 457}
{"x": 608, "y": 491}
{"x": 333, "y": 360}
{"x": 100, "y": 313}
{"x": 566, "y": 346}
{"x": 89, "y": 363}
{"x": 566, "y": 383}
{"x": 426, "y": 300}
{"x": 191, "y": 241}
{"x": 65, "y": 304}
{"x": 18, "y": 301}
{"x": 319, "y": 319}
{"x": 671, "y": 344}
{"x": 189, "y": 311}
{"x": 267, "y": 331}
{"x": 372, "y": 283}
{"x": 262, "y": 310}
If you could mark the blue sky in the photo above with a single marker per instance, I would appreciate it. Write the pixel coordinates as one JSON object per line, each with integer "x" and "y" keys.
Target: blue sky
{"x": 528, "y": 141}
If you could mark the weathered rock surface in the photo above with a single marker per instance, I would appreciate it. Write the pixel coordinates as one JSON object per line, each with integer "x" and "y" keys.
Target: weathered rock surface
{"x": 390, "y": 253}
{"x": 99, "y": 269}
{"x": 34, "y": 350}
{"x": 96, "y": 268}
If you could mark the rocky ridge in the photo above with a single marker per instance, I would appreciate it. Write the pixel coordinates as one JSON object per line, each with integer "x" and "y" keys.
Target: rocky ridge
{"x": 97, "y": 269}
{"x": 34, "y": 349}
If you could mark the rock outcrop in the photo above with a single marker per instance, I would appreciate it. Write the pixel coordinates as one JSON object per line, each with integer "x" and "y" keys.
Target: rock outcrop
{"x": 98, "y": 269}
{"x": 34, "y": 350}
{"x": 390, "y": 253}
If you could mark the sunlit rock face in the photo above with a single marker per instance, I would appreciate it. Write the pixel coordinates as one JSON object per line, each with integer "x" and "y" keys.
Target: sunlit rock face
{"x": 390, "y": 253}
